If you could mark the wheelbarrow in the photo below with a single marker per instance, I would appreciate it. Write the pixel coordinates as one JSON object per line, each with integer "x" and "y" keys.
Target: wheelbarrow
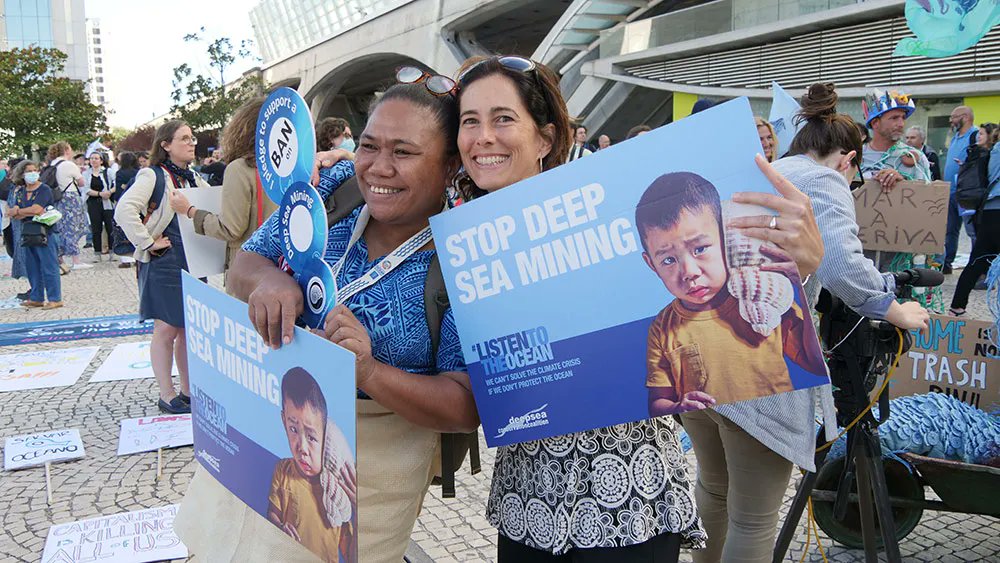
{"x": 962, "y": 487}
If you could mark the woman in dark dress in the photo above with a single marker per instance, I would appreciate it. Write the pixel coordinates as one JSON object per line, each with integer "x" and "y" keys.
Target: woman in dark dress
{"x": 152, "y": 227}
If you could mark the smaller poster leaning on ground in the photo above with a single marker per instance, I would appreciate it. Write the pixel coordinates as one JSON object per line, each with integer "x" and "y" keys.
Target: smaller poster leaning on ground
{"x": 31, "y": 450}
{"x": 130, "y": 537}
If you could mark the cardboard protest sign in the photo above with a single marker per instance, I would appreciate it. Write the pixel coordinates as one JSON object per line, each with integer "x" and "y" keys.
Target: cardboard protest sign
{"x": 275, "y": 427}
{"x": 129, "y": 360}
{"x": 31, "y": 450}
{"x": 44, "y": 368}
{"x": 129, "y": 537}
{"x": 563, "y": 287}
{"x": 909, "y": 218}
{"x": 956, "y": 357}
{"x": 206, "y": 256}
{"x": 151, "y": 433}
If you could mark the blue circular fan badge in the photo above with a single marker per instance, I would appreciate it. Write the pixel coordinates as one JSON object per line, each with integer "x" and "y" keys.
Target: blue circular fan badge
{"x": 302, "y": 225}
{"x": 316, "y": 281}
{"x": 285, "y": 143}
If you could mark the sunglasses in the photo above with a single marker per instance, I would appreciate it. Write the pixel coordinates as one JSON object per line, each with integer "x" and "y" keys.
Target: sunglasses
{"x": 442, "y": 85}
{"x": 517, "y": 64}
{"x": 435, "y": 83}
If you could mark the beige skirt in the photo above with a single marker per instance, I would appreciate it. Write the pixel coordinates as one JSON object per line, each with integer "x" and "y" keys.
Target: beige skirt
{"x": 396, "y": 462}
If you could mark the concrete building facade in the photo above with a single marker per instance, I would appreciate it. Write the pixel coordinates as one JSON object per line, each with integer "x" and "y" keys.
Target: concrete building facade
{"x": 625, "y": 62}
{"x": 95, "y": 62}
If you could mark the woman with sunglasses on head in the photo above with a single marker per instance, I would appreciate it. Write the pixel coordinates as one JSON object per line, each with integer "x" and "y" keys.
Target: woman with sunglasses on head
{"x": 513, "y": 125}
{"x": 159, "y": 252}
{"x": 746, "y": 450}
{"x": 407, "y": 393}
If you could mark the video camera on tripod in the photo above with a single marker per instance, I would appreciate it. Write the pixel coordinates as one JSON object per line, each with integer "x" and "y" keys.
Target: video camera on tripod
{"x": 860, "y": 352}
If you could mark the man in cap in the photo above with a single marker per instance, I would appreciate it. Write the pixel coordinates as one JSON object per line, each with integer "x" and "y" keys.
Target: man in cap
{"x": 886, "y": 157}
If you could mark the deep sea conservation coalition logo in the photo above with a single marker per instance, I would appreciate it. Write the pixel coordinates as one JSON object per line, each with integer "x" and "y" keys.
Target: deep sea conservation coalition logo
{"x": 530, "y": 419}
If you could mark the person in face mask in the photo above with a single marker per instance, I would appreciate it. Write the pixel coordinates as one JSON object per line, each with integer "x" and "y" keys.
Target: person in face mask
{"x": 40, "y": 250}
{"x": 334, "y": 133}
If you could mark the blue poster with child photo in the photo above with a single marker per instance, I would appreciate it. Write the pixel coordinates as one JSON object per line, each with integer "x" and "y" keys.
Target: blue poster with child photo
{"x": 275, "y": 427}
{"x": 610, "y": 289}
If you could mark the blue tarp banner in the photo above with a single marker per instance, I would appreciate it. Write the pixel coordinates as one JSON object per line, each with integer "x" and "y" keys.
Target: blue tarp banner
{"x": 73, "y": 329}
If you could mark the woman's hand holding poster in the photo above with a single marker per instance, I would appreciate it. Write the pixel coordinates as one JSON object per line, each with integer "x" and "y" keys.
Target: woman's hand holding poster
{"x": 275, "y": 427}
{"x": 609, "y": 290}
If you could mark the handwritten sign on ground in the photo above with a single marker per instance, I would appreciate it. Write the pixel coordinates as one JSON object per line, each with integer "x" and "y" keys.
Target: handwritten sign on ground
{"x": 151, "y": 433}
{"x": 910, "y": 218}
{"x": 129, "y": 360}
{"x": 31, "y": 450}
{"x": 44, "y": 368}
{"x": 129, "y": 537}
{"x": 956, "y": 357}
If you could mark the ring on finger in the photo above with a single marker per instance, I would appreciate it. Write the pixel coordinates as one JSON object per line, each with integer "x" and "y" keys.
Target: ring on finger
{"x": 774, "y": 222}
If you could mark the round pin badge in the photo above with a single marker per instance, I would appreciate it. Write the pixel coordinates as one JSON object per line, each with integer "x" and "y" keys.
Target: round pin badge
{"x": 316, "y": 281}
{"x": 302, "y": 225}
{"x": 285, "y": 142}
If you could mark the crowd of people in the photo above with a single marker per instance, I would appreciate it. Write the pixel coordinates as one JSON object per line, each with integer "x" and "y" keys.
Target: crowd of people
{"x": 411, "y": 387}
{"x": 85, "y": 190}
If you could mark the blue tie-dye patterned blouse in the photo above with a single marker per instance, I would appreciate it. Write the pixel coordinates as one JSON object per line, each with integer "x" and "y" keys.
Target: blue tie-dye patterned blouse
{"x": 393, "y": 309}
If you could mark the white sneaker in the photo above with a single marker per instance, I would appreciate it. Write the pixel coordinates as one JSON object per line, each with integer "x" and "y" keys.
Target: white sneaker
{"x": 81, "y": 266}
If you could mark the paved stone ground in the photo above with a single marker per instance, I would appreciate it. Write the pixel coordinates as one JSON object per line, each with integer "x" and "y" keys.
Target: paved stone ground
{"x": 103, "y": 484}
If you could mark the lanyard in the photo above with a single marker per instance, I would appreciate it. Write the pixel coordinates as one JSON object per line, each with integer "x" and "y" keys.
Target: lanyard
{"x": 380, "y": 270}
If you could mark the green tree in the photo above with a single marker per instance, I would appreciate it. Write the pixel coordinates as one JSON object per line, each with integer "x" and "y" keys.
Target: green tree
{"x": 38, "y": 107}
{"x": 206, "y": 102}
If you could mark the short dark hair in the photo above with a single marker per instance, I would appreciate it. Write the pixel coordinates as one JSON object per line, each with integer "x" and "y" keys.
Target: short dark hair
{"x": 127, "y": 160}
{"x": 327, "y": 129}
{"x": 636, "y": 130}
{"x": 663, "y": 201}
{"x": 299, "y": 387}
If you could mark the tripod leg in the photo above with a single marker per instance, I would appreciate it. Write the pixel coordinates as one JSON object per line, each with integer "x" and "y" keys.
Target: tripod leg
{"x": 799, "y": 503}
{"x": 863, "y": 464}
{"x": 882, "y": 503}
{"x": 794, "y": 515}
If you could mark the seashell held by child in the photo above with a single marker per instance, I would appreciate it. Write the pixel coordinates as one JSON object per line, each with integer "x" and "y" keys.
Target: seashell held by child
{"x": 763, "y": 296}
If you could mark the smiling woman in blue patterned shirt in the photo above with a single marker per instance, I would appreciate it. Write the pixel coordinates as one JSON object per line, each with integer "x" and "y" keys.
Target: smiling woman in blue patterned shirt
{"x": 407, "y": 395}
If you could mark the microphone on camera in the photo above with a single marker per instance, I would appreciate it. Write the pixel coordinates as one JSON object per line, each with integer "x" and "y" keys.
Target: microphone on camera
{"x": 918, "y": 277}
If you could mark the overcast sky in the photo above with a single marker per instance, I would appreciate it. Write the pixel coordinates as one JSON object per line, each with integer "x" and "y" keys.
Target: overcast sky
{"x": 143, "y": 43}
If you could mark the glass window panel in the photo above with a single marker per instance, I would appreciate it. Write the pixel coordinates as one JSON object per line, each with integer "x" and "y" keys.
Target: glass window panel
{"x": 12, "y": 8}
{"x": 30, "y": 28}
{"x": 45, "y": 30}
{"x": 43, "y": 9}
{"x": 29, "y": 8}
{"x": 15, "y": 32}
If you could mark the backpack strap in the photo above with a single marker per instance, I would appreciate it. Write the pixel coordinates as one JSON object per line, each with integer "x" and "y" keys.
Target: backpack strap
{"x": 453, "y": 446}
{"x": 345, "y": 199}
{"x": 158, "y": 188}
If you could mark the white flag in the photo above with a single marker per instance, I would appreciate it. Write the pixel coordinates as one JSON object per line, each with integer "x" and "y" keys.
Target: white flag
{"x": 782, "y": 118}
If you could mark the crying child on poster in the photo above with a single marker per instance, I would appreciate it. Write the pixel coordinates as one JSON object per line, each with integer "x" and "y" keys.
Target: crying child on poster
{"x": 700, "y": 349}
{"x": 306, "y": 501}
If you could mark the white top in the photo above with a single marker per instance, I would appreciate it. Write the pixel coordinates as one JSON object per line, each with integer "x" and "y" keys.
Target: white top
{"x": 67, "y": 173}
